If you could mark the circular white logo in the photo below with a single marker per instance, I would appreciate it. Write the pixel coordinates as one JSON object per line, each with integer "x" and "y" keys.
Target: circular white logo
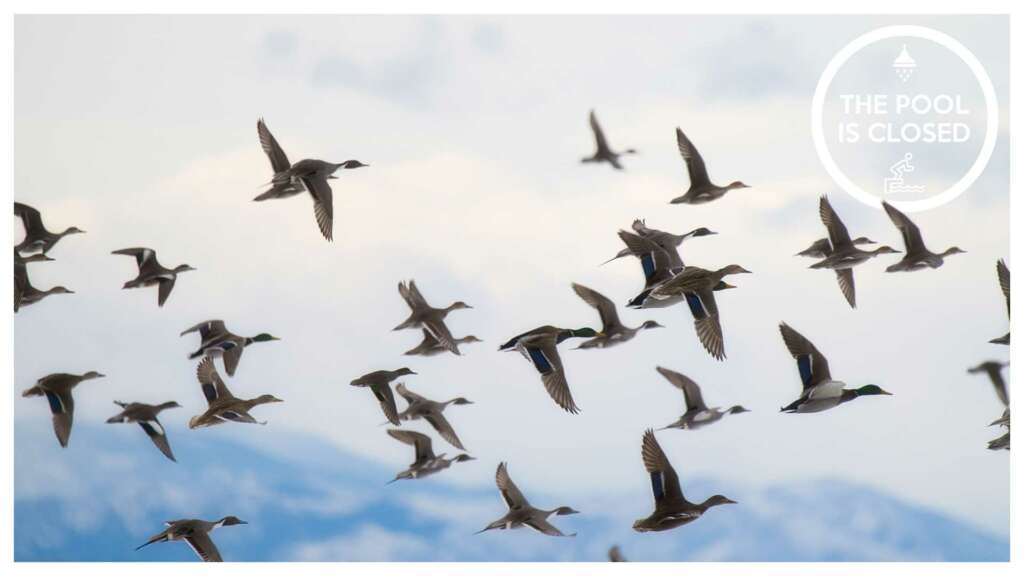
{"x": 904, "y": 114}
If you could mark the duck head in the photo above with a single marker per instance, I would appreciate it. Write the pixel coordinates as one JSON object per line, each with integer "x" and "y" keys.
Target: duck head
{"x": 230, "y": 521}
{"x": 885, "y": 250}
{"x": 72, "y": 230}
{"x": 871, "y": 390}
{"x": 403, "y": 372}
{"x": 92, "y": 374}
{"x": 264, "y": 337}
{"x": 564, "y": 511}
{"x": 716, "y": 500}
{"x": 737, "y": 409}
{"x": 698, "y": 232}
{"x": 643, "y": 525}
{"x": 463, "y": 458}
{"x": 183, "y": 268}
{"x": 171, "y": 404}
{"x": 585, "y": 333}
{"x": 951, "y": 251}
{"x": 648, "y": 324}
{"x": 734, "y": 269}
{"x": 735, "y": 185}
{"x": 460, "y": 305}
{"x": 59, "y": 290}
{"x": 468, "y": 339}
{"x": 350, "y": 164}
{"x": 267, "y": 399}
{"x": 863, "y": 240}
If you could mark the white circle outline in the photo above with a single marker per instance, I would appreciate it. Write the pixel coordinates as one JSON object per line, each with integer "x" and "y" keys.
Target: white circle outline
{"x": 884, "y": 33}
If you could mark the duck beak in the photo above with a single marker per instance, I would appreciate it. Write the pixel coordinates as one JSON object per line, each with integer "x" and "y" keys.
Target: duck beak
{"x": 727, "y": 500}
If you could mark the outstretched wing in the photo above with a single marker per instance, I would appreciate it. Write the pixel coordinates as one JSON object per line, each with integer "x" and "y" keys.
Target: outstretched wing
{"x": 164, "y": 290}
{"x": 509, "y": 491}
{"x": 1004, "y": 281}
{"x": 694, "y": 400}
{"x": 544, "y": 355}
{"x": 156, "y": 433}
{"x": 602, "y": 143}
{"x": 705, "y": 321}
{"x": 30, "y": 217}
{"x": 141, "y": 255}
{"x": 694, "y": 162}
{"x": 409, "y": 395}
{"x": 605, "y": 307}
{"x": 664, "y": 481}
{"x": 813, "y": 366}
{"x": 323, "y": 203}
{"x": 203, "y": 546}
{"x": 845, "y": 278}
{"x": 911, "y": 234}
{"x": 213, "y": 387}
{"x": 62, "y": 406}
{"x": 387, "y": 401}
{"x": 278, "y": 160}
{"x": 837, "y": 233}
{"x": 421, "y": 442}
{"x": 207, "y": 328}
{"x": 444, "y": 428}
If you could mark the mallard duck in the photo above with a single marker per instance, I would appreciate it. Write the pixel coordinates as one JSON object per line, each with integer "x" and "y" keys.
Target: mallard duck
{"x": 698, "y": 286}
{"x": 195, "y": 533}
{"x": 697, "y": 413}
{"x": 222, "y": 406}
{"x": 820, "y": 391}
{"x": 37, "y": 237}
{"x": 146, "y": 416}
{"x": 426, "y": 462}
{"x": 57, "y": 389}
{"x": 305, "y": 175}
{"x": 432, "y": 412}
{"x": 24, "y": 292}
{"x": 671, "y": 508}
{"x": 615, "y": 555}
{"x": 838, "y": 244}
{"x": 665, "y": 240}
{"x": 540, "y": 346}
{"x": 520, "y": 512}
{"x": 603, "y": 152}
{"x": 379, "y": 382}
{"x": 216, "y": 339}
{"x": 425, "y": 316}
{"x": 701, "y": 189}
{"x": 1004, "y": 284}
{"x": 612, "y": 330}
{"x": 151, "y": 273}
{"x": 429, "y": 346}
{"x": 918, "y": 256}
{"x": 822, "y": 247}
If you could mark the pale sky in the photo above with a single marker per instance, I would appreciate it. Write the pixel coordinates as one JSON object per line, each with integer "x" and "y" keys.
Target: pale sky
{"x": 141, "y": 131}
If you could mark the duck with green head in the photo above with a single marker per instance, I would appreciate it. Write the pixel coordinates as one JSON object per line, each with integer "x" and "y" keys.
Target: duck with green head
{"x": 540, "y": 347}
{"x": 820, "y": 391}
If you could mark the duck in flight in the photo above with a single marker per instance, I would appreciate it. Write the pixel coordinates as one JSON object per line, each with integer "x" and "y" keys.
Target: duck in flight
{"x": 379, "y": 382}
{"x": 838, "y": 249}
{"x": 37, "y": 237}
{"x": 216, "y": 339}
{"x": 697, "y": 413}
{"x": 1004, "y": 284}
{"x": 431, "y": 411}
{"x": 659, "y": 265}
{"x": 697, "y": 286}
{"x": 151, "y": 273}
{"x": 665, "y": 240}
{"x": 613, "y": 331}
{"x": 701, "y": 189}
{"x": 994, "y": 371}
{"x": 671, "y": 508}
{"x": 425, "y": 316}
{"x": 24, "y": 292}
{"x": 820, "y": 391}
{"x": 429, "y": 346}
{"x": 540, "y": 347}
{"x": 304, "y": 176}
{"x": 520, "y": 512}
{"x": 426, "y": 462}
{"x": 146, "y": 417}
{"x": 57, "y": 390}
{"x": 917, "y": 256}
{"x": 604, "y": 153}
{"x": 195, "y": 533}
{"x": 222, "y": 405}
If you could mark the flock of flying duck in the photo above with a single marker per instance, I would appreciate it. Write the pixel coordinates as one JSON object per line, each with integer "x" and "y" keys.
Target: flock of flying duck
{"x": 667, "y": 282}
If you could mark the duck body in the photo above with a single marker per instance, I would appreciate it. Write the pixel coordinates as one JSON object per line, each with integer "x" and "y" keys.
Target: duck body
{"x": 671, "y": 508}
{"x": 151, "y": 273}
{"x": 222, "y": 405}
{"x": 426, "y": 462}
{"x": 145, "y": 415}
{"x": 217, "y": 340}
{"x": 520, "y": 512}
{"x": 820, "y": 391}
{"x": 195, "y": 533}
{"x": 379, "y": 382}
{"x": 917, "y": 256}
{"x": 37, "y": 237}
{"x": 697, "y": 413}
{"x": 429, "y": 346}
{"x": 430, "y": 319}
{"x": 540, "y": 347}
{"x": 57, "y": 390}
{"x": 701, "y": 190}
{"x": 613, "y": 331}
{"x": 432, "y": 411}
